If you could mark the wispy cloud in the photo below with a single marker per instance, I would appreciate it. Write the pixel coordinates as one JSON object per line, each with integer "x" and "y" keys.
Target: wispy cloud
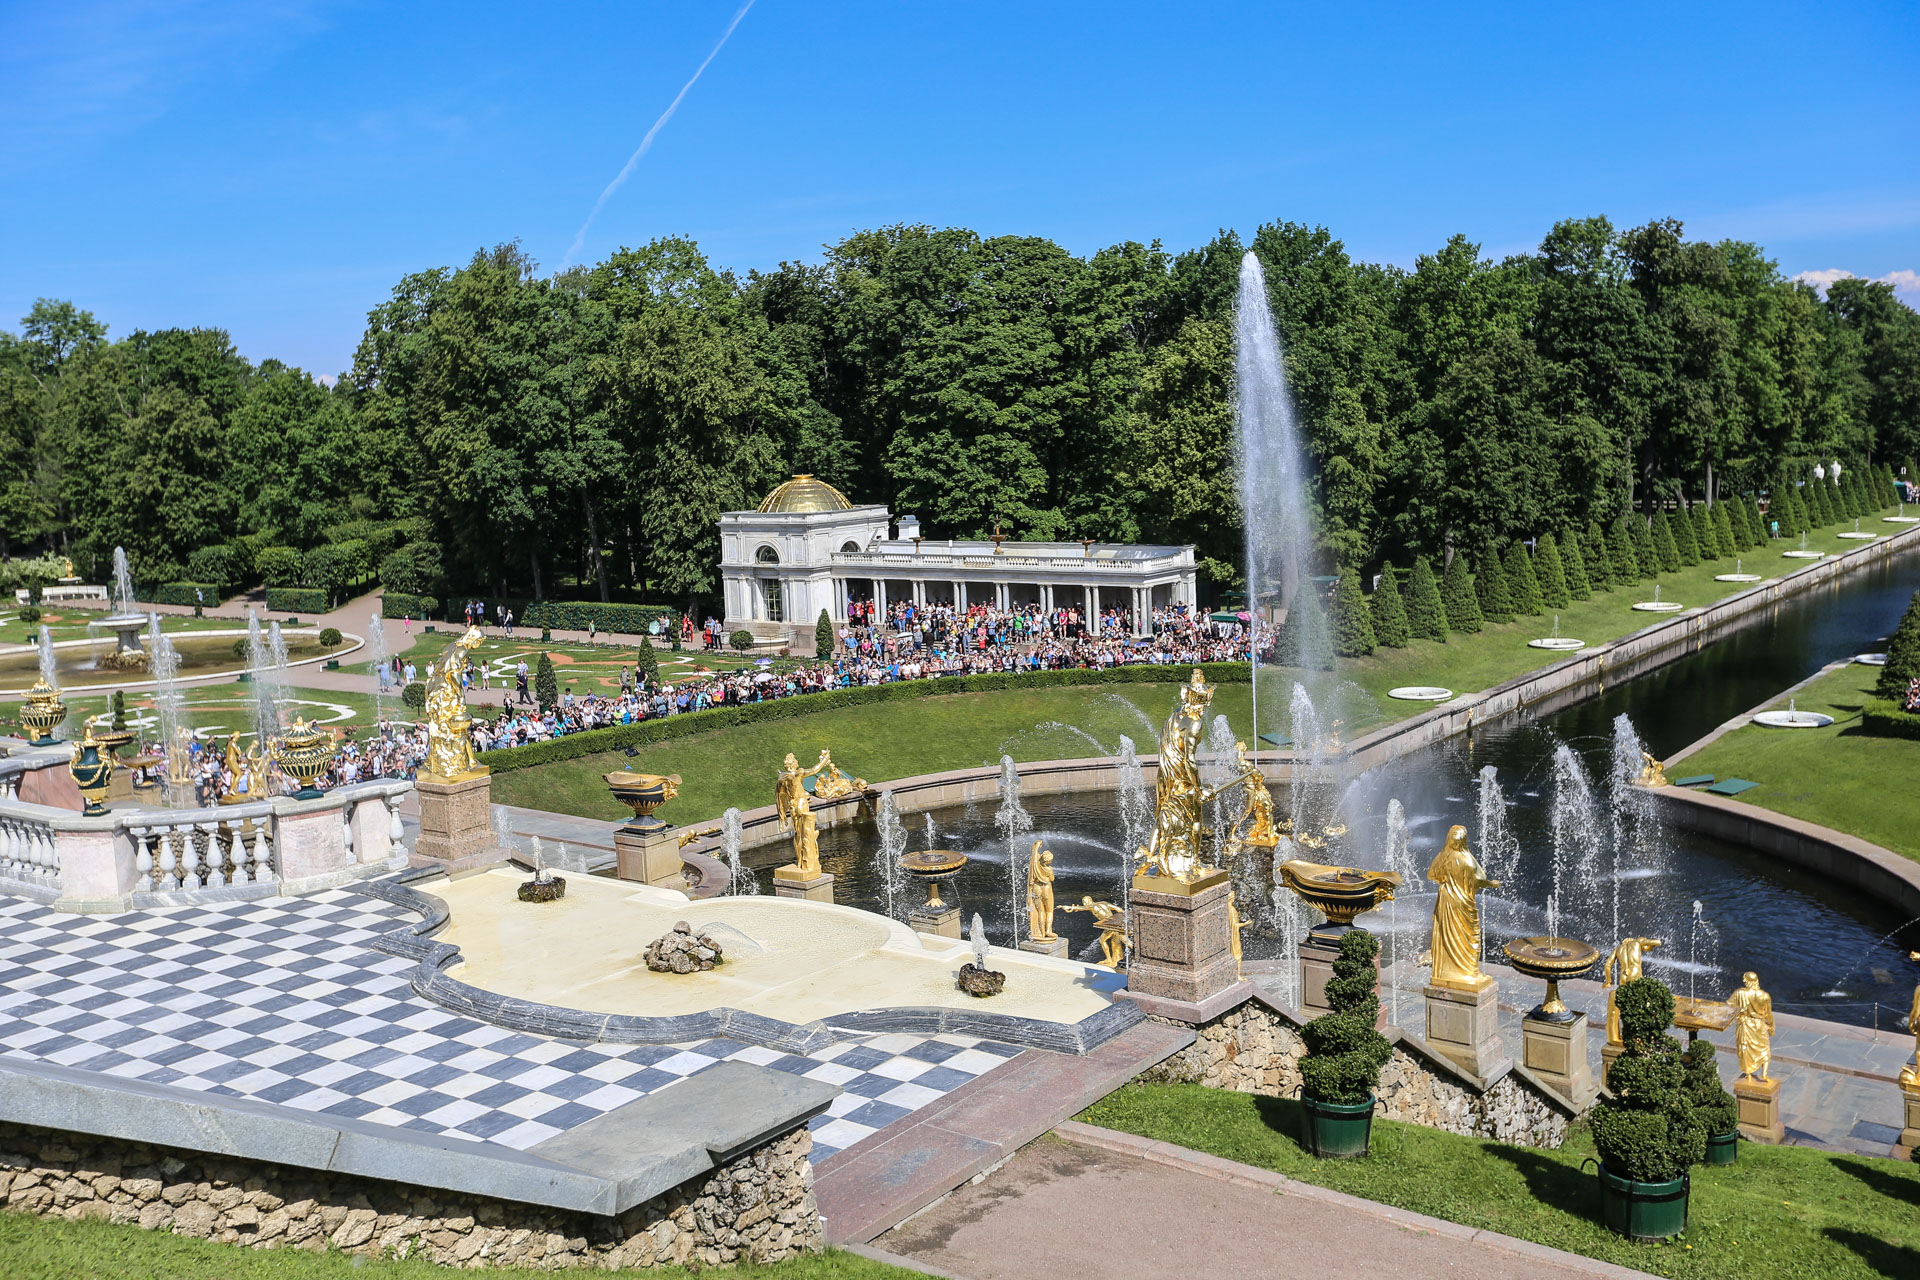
{"x": 1906, "y": 284}
{"x": 646, "y": 143}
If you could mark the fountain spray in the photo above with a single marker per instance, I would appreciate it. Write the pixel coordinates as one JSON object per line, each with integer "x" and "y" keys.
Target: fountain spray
{"x": 740, "y": 881}
{"x": 893, "y": 843}
{"x": 1013, "y": 822}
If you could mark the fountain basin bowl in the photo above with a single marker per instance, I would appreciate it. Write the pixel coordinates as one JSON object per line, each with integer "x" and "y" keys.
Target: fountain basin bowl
{"x": 1862, "y": 537}
{"x": 1901, "y": 519}
{"x": 1736, "y": 577}
{"x": 1804, "y": 555}
{"x": 643, "y": 793}
{"x": 1420, "y": 693}
{"x": 1553, "y": 958}
{"x": 1339, "y": 893}
{"x": 1659, "y": 606}
{"x": 1871, "y": 659}
{"x": 1557, "y": 643}
{"x": 1793, "y": 720}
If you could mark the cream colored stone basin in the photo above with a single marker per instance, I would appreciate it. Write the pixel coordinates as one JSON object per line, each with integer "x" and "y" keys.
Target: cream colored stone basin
{"x": 799, "y": 961}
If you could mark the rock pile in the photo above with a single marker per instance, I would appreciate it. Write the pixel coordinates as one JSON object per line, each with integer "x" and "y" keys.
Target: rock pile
{"x": 683, "y": 951}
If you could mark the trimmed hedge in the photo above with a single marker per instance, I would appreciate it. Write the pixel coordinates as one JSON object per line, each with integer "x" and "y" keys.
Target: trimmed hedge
{"x": 573, "y": 615}
{"x": 180, "y": 593}
{"x": 594, "y": 741}
{"x": 1883, "y": 718}
{"x": 394, "y": 604}
{"x": 296, "y": 600}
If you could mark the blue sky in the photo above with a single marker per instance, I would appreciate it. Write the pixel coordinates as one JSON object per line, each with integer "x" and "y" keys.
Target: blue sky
{"x": 274, "y": 168}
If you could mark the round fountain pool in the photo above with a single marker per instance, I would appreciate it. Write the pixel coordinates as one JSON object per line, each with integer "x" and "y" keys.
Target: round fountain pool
{"x": 78, "y": 662}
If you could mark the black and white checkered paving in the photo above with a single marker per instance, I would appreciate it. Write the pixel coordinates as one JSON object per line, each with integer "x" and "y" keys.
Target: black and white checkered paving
{"x": 284, "y": 1001}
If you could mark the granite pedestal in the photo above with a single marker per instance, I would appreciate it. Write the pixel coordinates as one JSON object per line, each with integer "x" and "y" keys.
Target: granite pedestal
{"x": 1910, "y": 1135}
{"x": 1557, "y": 1053}
{"x": 1465, "y": 1026}
{"x": 1759, "y": 1105}
{"x": 1051, "y": 947}
{"x": 1181, "y": 944}
{"x": 791, "y": 882}
{"x": 456, "y": 824}
{"x": 651, "y": 856}
{"x": 942, "y": 921}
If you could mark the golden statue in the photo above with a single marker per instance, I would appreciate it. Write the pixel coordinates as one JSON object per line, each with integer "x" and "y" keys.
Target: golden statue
{"x": 1652, "y": 773}
{"x": 1257, "y": 817}
{"x": 806, "y": 836}
{"x": 831, "y": 783}
{"x": 1752, "y": 1027}
{"x": 1910, "y": 1074}
{"x": 179, "y": 754}
{"x": 450, "y": 755}
{"x": 1176, "y": 849}
{"x": 1040, "y": 895}
{"x": 1234, "y": 925}
{"x": 785, "y": 787}
{"x": 1456, "y": 914}
{"x": 1111, "y": 923}
{"x": 69, "y": 564}
{"x": 1626, "y": 957}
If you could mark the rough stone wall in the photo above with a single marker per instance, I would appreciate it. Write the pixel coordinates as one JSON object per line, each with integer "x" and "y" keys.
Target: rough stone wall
{"x": 1508, "y": 1112}
{"x": 759, "y": 1208}
{"x": 1254, "y": 1049}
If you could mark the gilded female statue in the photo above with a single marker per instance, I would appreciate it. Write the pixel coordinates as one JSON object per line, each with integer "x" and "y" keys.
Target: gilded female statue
{"x": 1626, "y": 958}
{"x": 785, "y": 788}
{"x": 806, "y": 836}
{"x": 1752, "y": 1027}
{"x": 450, "y": 755}
{"x": 1456, "y": 914}
{"x": 1910, "y": 1074}
{"x": 1040, "y": 895}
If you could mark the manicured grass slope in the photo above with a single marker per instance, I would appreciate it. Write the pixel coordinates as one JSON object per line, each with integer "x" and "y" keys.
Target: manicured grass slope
{"x": 1780, "y": 1212}
{"x": 1838, "y": 776}
{"x": 49, "y": 1249}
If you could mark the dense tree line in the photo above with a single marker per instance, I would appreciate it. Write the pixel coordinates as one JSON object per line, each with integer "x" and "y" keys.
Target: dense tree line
{"x": 513, "y": 434}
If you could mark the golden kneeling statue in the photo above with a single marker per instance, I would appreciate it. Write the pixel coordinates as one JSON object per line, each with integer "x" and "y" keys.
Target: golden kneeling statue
{"x": 1040, "y": 895}
{"x": 1652, "y": 773}
{"x": 1111, "y": 923}
{"x": 1625, "y": 957}
{"x": 450, "y": 755}
{"x": 1456, "y": 914}
{"x": 829, "y": 783}
{"x": 1752, "y": 1027}
{"x": 1910, "y": 1074}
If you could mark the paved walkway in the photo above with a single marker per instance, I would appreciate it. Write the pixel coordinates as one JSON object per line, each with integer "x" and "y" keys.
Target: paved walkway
{"x": 1062, "y": 1208}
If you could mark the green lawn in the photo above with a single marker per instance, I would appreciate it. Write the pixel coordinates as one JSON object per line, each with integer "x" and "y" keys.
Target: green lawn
{"x": 1838, "y": 776}
{"x": 879, "y": 741}
{"x": 34, "y": 1248}
{"x": 1780, "y": 1212}
{"x": 71, "y": 624}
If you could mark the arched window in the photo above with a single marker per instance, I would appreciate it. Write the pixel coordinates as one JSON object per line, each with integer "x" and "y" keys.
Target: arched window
{"x": 767, "y": 555}
{"x": 850, "y": 549}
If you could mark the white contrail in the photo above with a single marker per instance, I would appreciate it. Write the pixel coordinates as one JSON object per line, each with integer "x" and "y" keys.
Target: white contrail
{"x": 647, "y": 142}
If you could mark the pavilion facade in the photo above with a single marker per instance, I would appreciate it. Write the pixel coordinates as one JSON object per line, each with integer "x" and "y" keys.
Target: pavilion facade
{"x": 808, "y": 548}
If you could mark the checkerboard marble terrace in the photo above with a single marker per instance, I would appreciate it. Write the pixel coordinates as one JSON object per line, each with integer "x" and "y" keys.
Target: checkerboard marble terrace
{"x": 283, "y": 1000}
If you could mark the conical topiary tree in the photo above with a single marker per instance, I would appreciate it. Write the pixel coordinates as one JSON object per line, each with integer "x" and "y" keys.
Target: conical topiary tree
{"x": 1426, "y": 616}
{"x": 1852, "y": 505}
{"x": 1456, "y": 592}
{"x": 1496, "y": 597}
{"x": 646, "y": 664}
{"x": 1664, "y": 549}
{"x": 1574, "y": 557}
{"x": 546, "y": 685}
{"x": 1352, "y": 627}
{"x": 823, "y": 636}
{"x": 1741, "y": 522}
{"x": 1704, "y": 535}
{"x": 1643, "y": 546}
{"x": 1723, "y": 529}
{"x": 1903, "y": 653}
{"x": 1794, "y": 517}
{"x": 1713, "y": 1107}
{"x": 1762, "y": 533}
{"x": 1598, "y": 556}
{"x": 1823, "y": 513}
{"x": 1625, "y": 561}
{"x": 1390, "y": 626}
{"x": 1521, "y": 581}
{"x": 1647, "y": 1131}
{"x": 1344, "y": 1052}
{"x": 1552, "y": 573}
{"x": 1684, "y": 543}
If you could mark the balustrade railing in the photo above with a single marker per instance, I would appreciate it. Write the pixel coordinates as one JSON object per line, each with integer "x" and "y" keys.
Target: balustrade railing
{"x": 28, "y": 856}
{"x": 203, "y": 848}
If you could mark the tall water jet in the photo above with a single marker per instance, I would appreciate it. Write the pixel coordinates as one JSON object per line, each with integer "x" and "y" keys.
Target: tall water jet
{"x": 1638, "y": 845}
{"x": 740, "y": 880}
{"x": 266, "y": 712}
{"x": 1499, "y": 847}
{"x": 1309, "y": 760}
{"x": 163, "y": 663}
{"x": 377, "y": 642}
{"x": 1216, "y": 768}
{"x": 47, "y": 668}
{"x": 1579, "y": 845}
{"x": 1013, "y": 822}
{"x": 1399, "y": 858}
{"x": 1136, "y": 805}
{"x": 122, "y": 601}
{"x": 1273, "y": 482}
{"x": 893, "y": 843}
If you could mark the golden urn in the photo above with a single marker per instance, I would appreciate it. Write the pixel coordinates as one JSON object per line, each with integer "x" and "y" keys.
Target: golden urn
{"x": 1340, "y": 893}
{"x": 1551, "y": 959}
{"x": 930, "y": 867}
{"x": 92, "y": 772}
{"x": 643, "y": 793}
{"x": 303, "y": 754}
{"x": 43, "y": 712}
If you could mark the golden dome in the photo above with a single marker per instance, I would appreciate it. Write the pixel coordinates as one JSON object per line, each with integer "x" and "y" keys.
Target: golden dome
{"x": 804, "y": 493}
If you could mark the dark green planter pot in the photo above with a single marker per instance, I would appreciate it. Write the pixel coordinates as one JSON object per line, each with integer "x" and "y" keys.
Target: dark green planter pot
{"x": 1643, "y": 1210}
{"x": 1337, "y": 1129}
{"x": 1723, "y": 1148}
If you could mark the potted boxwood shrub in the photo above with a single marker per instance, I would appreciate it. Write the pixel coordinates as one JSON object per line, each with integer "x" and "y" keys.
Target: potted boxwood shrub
{"x": 1344, "y": 1053}
{"x": 1713, "y": 1106}
{"x": 1647, "y": 1135}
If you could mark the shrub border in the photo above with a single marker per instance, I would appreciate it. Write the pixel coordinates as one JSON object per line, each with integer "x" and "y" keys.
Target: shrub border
{"x": 594, "y": 741}
{"x": 296, "y": 600}
{"x": 181, "y": 593}
{"x": 1883, "y": 718}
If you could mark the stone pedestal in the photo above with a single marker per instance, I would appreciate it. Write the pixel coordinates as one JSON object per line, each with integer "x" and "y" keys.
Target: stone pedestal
{"x": 1557, "y": 1053}
{"x": 1051, "y": 947}
{"x": 456, "y": 824}
{"x": 120, "y": 784}
{"x": 1759, "y": 1103}
{"x": 1910, "y": 1135}
{"x": 1609, "y": 1054}
{"x": 1181, "y": 947}
{"x": 791, "y": 882}
{"x": 1317, "y": 955}
{"x": 651, "y": 857}
{"x": 942, "y": 922}
{"x": 1465, "y": 1026}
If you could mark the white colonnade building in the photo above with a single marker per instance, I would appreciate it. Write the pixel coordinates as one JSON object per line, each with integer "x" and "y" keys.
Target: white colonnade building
{"x": 807, "y": 548}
